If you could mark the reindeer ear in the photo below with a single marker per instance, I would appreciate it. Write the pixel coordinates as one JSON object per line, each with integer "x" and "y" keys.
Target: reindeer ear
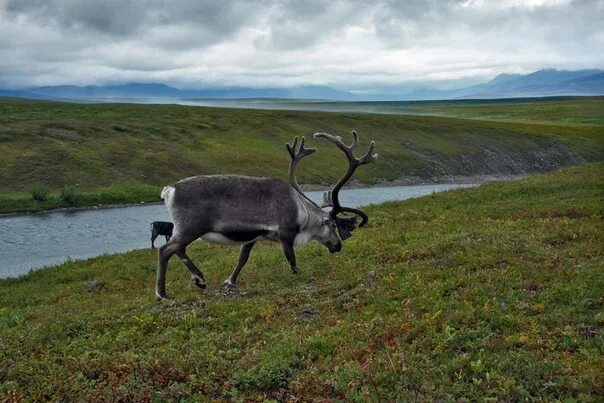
{"x": 345, "y": 226}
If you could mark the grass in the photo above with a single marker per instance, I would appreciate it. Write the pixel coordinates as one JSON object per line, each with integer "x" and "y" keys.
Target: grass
{"x": 73, "y": 197}
{"x": 489, "y": 293}
{"x": 112, "y": 153}
{"x": 572, "y": 111}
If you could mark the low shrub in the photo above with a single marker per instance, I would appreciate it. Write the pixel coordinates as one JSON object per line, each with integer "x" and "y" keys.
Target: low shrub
{"x": 40, "y": 193}
{"x": 70, "y": 196}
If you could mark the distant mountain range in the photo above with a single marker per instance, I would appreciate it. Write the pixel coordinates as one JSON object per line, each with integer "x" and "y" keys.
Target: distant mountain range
{"x": 546, "y": 82}
{"x": 162, "y": 91}
{"x": 538, "y": 84}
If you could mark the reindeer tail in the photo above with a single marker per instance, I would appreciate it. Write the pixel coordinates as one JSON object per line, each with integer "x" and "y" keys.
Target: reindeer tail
{"x": 166, "y": 193}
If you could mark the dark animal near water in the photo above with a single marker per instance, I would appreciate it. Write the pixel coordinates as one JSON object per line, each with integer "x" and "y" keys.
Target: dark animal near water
{"x": 161, "y": 228}
{"x": 242, "y": 210}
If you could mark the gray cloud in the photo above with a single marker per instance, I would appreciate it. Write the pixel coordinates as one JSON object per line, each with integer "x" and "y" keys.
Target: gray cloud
{"x": 350, "y": 44}
{"x": 125, "y": 19}
{"x": 107, "y": 17}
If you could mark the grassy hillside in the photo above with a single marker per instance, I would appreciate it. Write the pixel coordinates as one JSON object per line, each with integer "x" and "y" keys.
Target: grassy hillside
{"x": 77, "y": 154}
{"x": 486, "y": 293}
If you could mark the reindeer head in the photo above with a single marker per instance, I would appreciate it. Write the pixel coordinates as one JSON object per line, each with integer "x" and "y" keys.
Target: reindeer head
{"x": 335, "y": 226}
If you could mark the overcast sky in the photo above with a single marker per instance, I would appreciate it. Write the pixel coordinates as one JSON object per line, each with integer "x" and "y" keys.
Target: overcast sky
{"x": 353, "y": 45}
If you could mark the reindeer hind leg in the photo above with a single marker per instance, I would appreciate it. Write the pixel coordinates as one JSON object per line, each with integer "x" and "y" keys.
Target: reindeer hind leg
{"x": 196, "y": 274}
{"x": 164, "y": 253}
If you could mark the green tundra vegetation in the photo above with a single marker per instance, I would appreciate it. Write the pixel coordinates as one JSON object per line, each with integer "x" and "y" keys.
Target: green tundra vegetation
{"x": 552, "y": 110}
{"x": 573, "y": 111}
{"x": 487, "y": 293}
{"x": 56, "y": 154}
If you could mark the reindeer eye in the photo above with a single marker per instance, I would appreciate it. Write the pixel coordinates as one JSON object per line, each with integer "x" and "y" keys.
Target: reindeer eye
{"x": 326, "y": 221}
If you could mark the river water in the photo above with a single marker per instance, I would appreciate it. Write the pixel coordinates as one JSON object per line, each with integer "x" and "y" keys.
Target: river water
{"x": 31, "y": 241}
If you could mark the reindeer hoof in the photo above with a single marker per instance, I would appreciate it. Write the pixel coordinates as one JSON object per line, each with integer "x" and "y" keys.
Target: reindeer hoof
{"x": 161, "y": 297}
{"x": 229, "y": 284}
{"x": 199, "y": 282}
{"x": 294, "y": 270}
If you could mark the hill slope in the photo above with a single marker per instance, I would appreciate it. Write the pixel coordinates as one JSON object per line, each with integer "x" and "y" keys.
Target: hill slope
{"x": 492, "y": 292}
{"x": 126, "y": 152}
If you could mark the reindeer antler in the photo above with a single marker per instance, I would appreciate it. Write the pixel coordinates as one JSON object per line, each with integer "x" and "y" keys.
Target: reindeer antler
{"x": 331, "y": 197}
{"x": 296, "y": 155}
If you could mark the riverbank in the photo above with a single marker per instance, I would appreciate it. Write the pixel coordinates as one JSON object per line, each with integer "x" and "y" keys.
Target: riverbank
{"x": 490, "y": 292}
{"x": 415, "y": 181}
{"x": 83, "y": 208}
{"x": 80, "y": 200}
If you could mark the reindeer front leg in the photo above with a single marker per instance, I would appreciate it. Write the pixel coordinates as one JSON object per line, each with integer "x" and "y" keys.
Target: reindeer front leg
{"x": 288, "y": 250}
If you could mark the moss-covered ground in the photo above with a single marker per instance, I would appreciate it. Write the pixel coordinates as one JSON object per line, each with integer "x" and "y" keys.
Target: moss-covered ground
{"x": 489, "y": 293}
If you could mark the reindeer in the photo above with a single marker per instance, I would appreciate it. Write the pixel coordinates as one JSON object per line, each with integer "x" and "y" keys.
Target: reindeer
{"x": 242, "y": 210}
{"x": 161, "y": 228}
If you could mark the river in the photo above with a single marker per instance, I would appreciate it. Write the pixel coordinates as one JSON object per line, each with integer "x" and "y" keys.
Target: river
{"x": 32, "y": 241}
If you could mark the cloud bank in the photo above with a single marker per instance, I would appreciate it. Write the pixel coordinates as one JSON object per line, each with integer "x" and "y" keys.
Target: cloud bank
{"x": 353, "y": 45}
